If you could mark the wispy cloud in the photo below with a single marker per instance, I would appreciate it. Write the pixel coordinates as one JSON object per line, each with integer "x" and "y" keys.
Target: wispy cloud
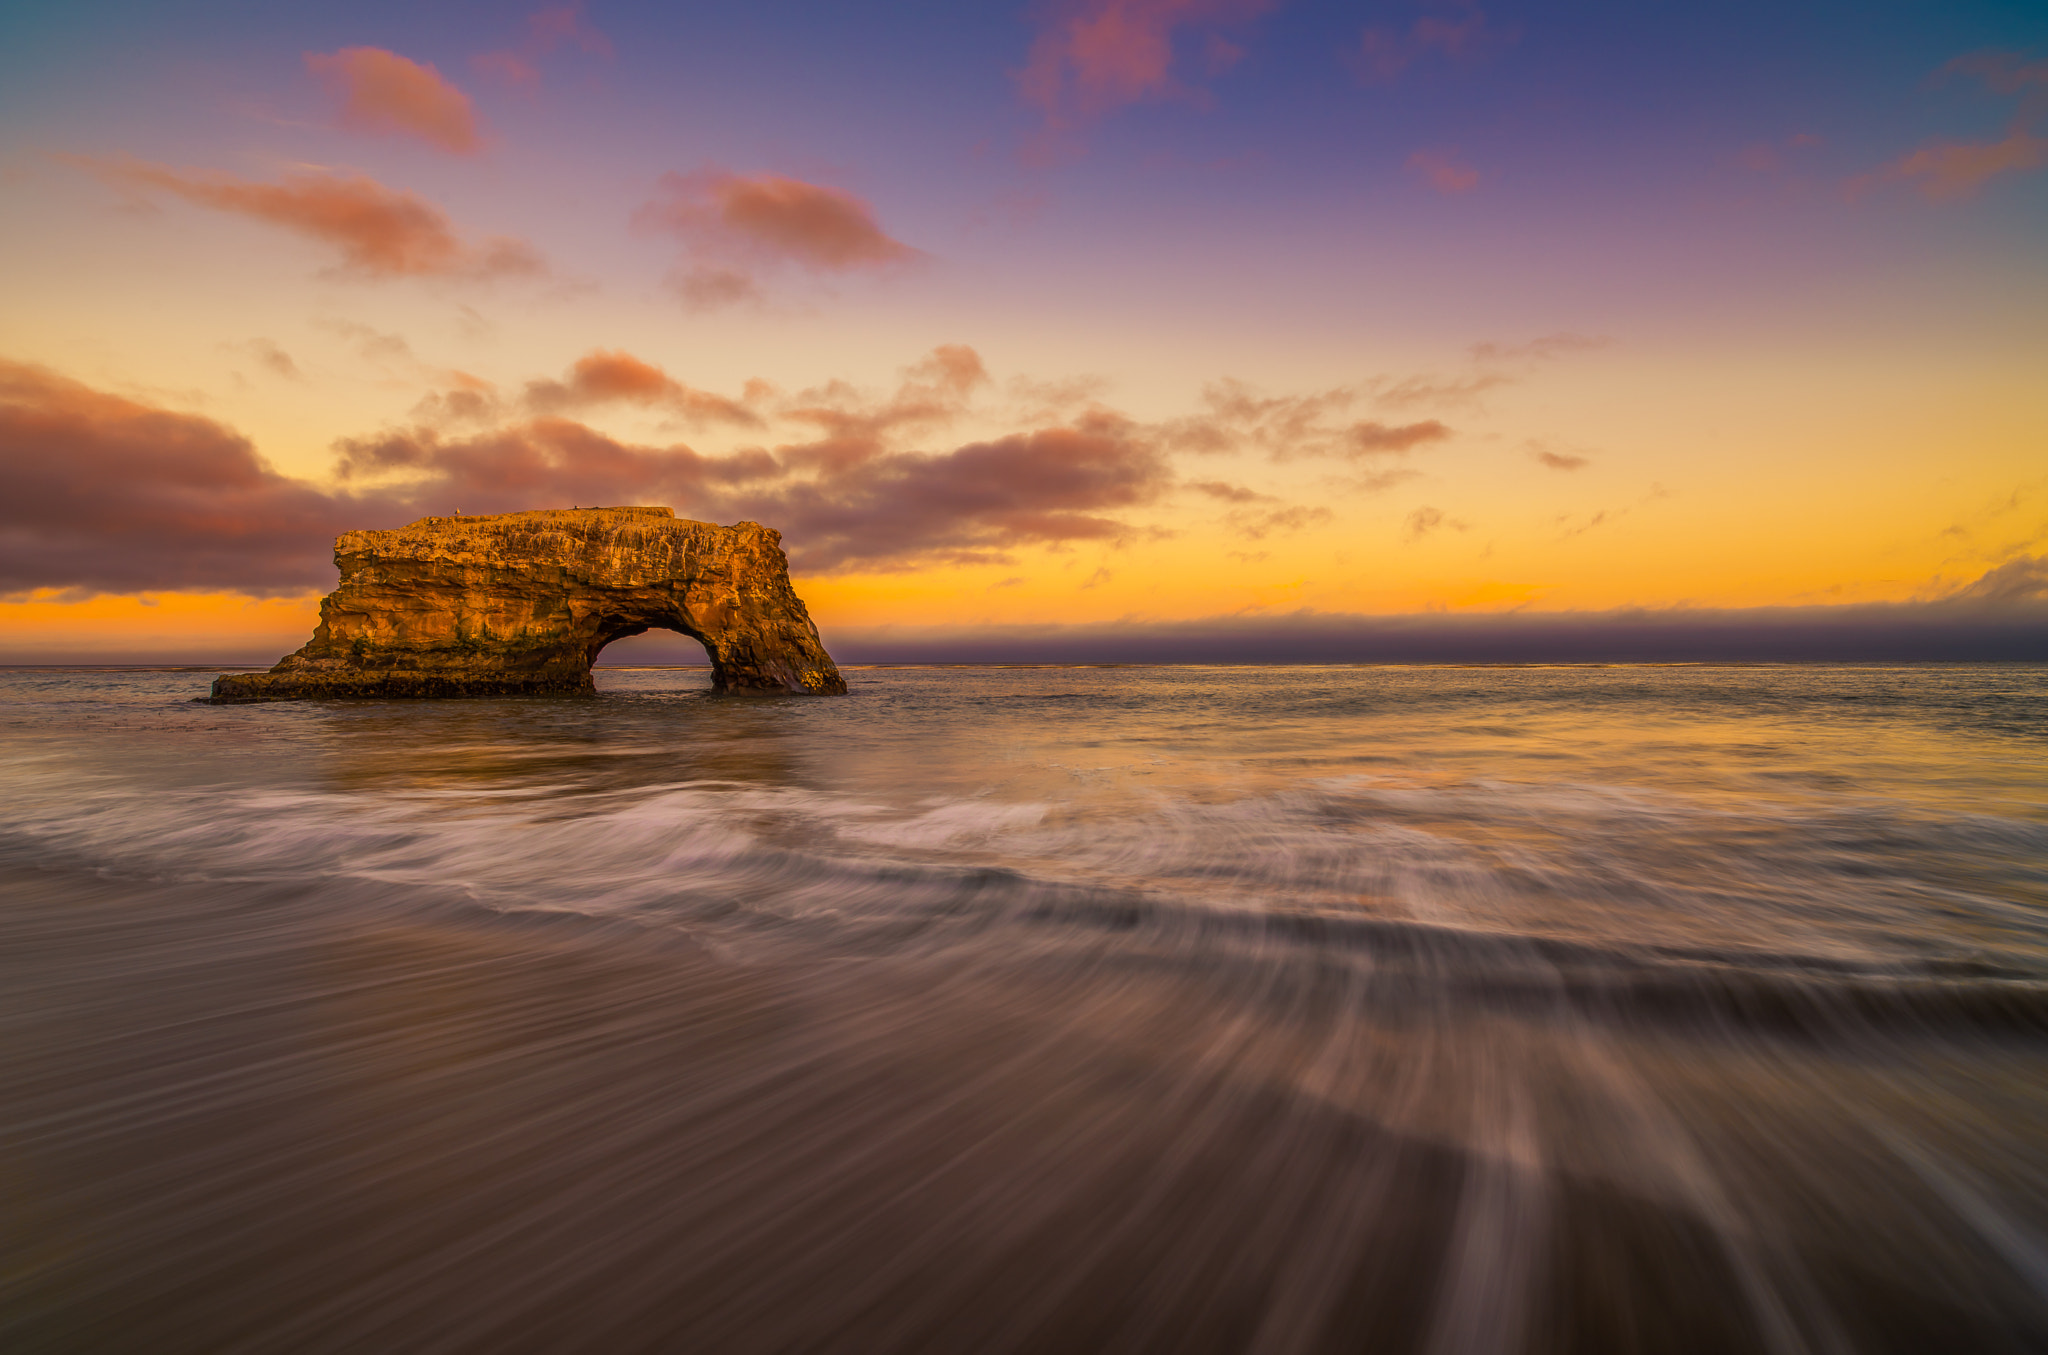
{"x": 1444, "y": 171}
{"x": 1549, "y": 456}
{"x": 1092, "y": 57}
{"x": 1425, "y": 520}
{"x": 383, "y": 93}
{"x": 546, "y": 30}
{"x": 381, "y": 232}
{"x": 1455, "y": 33}
{"x": 1945, "y": 170}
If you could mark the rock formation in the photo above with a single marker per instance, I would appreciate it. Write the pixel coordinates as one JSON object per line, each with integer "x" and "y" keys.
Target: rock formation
{"x": 521, "y": 603}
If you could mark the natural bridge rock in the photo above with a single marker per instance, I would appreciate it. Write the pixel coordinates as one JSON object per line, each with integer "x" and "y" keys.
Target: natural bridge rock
{"x": 521, "y": 603}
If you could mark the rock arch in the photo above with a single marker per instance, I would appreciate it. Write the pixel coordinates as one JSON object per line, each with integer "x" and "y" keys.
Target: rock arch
{"x": 521, "y": 603}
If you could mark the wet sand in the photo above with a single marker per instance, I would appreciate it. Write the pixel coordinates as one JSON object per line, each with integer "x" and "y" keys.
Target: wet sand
{"x": 257, "y": 1118}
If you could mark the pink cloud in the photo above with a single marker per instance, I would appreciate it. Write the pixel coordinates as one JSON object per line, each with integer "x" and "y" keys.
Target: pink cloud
{"x": 384, "y": 93}
{"x": 1095, "y": 56}
{"x": 381, "y": 232}
{"x": 1443, "y": 171}
{"x": 725, "y": 219}
{"x": 547, "y": 30}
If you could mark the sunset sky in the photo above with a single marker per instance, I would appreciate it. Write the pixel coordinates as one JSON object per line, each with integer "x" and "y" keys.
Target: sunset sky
{"x": 1207, "y": 318}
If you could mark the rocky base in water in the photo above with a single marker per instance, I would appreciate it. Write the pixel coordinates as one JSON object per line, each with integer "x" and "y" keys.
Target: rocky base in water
{"x": 520, "y": 604}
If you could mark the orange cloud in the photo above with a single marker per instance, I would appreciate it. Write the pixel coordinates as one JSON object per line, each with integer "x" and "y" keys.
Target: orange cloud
{"x": 1443, "y": 171}
{"x": 383, "y": 93}
{"x": 767, "y": 219}
{"x": 381, "y": 232}
{"x": 1557, "y": 460}
{"x": 780, "y": 218}
{"x": 854, "y": 429}
{"x": 1096, "y": 56}
{"x": 1425, "y": 520}
{"x": 603, "y": 377}
{"x": 1373, "y": 439}
{"x": 1288, "y": 426}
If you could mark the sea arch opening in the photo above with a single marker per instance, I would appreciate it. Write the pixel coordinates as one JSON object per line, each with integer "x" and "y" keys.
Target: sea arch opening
{"x": 652, "y": 642}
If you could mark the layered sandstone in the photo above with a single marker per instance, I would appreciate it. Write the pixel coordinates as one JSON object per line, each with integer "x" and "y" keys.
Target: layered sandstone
{"x": 521, "y": 603}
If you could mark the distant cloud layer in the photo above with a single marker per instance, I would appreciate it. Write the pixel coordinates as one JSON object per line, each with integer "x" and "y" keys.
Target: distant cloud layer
{"x": 1963, "y": 629}
{"x": 380, "y": 232}
{"x": 102, "y": 493}
{"x": 384, "y": 93}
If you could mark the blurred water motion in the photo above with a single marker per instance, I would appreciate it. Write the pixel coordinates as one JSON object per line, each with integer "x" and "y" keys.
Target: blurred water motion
{"x": 1433, "y": 1010}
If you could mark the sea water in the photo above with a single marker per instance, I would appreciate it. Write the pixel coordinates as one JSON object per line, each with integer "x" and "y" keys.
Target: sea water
{"x": 1037, "y": 1008}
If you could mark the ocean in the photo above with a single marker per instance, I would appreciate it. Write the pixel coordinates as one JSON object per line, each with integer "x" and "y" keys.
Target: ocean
{"x": 1439, "y": 1009}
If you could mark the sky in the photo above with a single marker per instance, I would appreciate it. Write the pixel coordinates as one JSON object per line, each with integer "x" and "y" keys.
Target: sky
{"x": 1226, "y": 329}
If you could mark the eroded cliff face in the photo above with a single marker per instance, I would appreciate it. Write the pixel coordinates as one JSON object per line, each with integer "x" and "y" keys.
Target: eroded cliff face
{"x": 521, "y": 603}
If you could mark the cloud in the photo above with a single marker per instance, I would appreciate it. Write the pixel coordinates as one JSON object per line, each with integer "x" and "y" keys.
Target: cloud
{"x": 1282, "y": 521}
{"x": 1092, "y": 57}
{"x": 547, "y": 30}
{"x": 1229, "y": 493}
{"x": 1556, "y": 460}
{"x": 272, "y": 358}
{"x": 1425, "y": 520}
{"x": 1382, "y": 55}
{"x": 1544, "y": 348}
{"x": 1290, "y": 426}
{"x": 2022, "y": 579}
{"x": 1575, "y": 526}
{"x": 2002, "y": 72}
{"x": 1952, "y": 630}
{"x": 540, "y": 461}
{"x": 1945, "y": 171}
{"x": 729, "y": 221}
{"x": 102, "y": 494}
{"x": 854, "y": 427}
{"x": 887, "y": 511}
{"x": 381, "y": 232}
{"x": 383, "y": 93}
{"x": 1443, "y": 171}
{"x": 1498, "y": 365}
{"x": 1047, "y": 486}
{"x": 1948, "y": 170}
{"x": 1412, "y": 391}
{"x": 1374, "y": 439}
{"x": 714, "y": 288}
{"x": 602, "y": 377}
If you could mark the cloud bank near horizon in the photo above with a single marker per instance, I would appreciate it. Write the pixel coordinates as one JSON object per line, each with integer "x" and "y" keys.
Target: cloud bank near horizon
{"x": 103, "y": 494}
